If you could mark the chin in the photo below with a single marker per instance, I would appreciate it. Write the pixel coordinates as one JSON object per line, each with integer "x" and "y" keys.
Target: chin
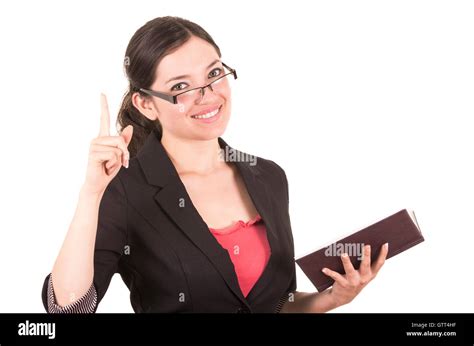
{"x": 210, "y": 135}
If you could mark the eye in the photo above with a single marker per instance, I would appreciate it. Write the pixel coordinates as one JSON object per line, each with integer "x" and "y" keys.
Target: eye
{"x": 178, "y": 87}
{"x": 215, "y": 73}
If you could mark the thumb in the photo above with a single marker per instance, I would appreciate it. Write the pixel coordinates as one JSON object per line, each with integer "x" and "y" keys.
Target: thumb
{"x": 127, "y": 134}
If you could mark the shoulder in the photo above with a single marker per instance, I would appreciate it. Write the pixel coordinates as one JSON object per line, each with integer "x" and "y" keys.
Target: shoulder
{"x": 271, "y": 168}
{"x": 266, "y": 169}
{"x": 274, "y": 176}
{"x": 265, "y": 166}
{"x": 275, "y": 168}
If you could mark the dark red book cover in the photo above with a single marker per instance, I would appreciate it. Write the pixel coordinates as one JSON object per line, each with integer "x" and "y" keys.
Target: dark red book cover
{"x": 400, "y": 230}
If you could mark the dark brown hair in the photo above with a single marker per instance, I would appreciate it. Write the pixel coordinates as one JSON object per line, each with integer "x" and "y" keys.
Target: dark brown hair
{"x": 151, "y": 43}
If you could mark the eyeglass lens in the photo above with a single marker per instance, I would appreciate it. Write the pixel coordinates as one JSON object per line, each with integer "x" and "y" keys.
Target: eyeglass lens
{"x": 197, "y": 95}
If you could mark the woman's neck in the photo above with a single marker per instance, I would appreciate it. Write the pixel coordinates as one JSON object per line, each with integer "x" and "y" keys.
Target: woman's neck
{"x": 193, "y": 156}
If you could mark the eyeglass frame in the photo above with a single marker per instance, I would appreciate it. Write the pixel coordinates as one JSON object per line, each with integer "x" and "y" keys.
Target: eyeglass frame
{"x": 174, "y": 98}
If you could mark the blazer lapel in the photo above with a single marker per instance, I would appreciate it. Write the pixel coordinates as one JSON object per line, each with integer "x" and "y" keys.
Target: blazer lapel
{"x": 159, "y": 171}
{"x": 265, "y": 203}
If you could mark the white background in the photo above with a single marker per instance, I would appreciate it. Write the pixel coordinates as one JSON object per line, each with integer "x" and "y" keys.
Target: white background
{"x": 367, "y": 105}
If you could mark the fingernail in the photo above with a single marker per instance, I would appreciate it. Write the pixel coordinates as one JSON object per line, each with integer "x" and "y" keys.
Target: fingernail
{"x": 386, "y": 245}
{"x": 344, "y": 255}
{"x": 126, "y": 163}
{"x": 324, "y": 270}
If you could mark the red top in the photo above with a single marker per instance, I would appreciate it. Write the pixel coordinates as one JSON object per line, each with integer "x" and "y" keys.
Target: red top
{"x": 247, "y": 245}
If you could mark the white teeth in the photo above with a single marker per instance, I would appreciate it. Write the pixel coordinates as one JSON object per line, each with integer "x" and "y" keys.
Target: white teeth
{"x": 205, "y": 116}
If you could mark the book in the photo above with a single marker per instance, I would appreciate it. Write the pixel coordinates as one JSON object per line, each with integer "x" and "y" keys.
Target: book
{"x": 400, "y": 230}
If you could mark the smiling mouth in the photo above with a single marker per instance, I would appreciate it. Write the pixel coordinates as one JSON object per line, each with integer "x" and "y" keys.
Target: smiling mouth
{"x": 207, "y": 115}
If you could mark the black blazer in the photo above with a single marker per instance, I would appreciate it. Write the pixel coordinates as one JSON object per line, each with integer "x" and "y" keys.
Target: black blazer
{"x": 164, "y": 251}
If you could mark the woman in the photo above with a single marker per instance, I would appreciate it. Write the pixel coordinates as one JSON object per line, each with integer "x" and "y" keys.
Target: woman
{"x": 188, "y": 228}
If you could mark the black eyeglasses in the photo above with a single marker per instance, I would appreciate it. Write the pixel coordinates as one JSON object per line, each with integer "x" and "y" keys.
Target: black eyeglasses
{"x": 190, "y": 95}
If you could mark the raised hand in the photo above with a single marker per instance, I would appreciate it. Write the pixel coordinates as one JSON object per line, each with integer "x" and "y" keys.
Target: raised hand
{"x": 107, "y": 154}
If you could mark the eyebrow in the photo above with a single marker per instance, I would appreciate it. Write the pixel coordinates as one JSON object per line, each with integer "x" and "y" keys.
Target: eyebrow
{"x": 187, "y": 76}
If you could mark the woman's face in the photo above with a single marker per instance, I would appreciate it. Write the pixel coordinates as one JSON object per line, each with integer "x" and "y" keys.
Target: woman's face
{"x": 194, "y": 64}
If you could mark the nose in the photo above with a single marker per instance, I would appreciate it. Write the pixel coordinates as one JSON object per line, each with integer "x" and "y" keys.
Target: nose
{"x": 202, "y": 92}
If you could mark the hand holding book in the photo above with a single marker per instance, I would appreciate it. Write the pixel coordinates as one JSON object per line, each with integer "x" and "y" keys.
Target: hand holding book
{"x": 347, "y": 287}
{"x": 351, "y": 263}
{"x": 400, "y": 230}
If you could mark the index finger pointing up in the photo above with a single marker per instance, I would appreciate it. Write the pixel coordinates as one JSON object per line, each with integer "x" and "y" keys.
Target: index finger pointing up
{"x": 104, "y": 117}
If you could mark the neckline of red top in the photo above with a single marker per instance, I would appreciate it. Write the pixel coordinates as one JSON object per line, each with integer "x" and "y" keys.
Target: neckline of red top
{"x": 236, "y": 225}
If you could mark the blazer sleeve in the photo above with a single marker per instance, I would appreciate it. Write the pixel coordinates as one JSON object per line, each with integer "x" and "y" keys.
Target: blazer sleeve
{"x": 85, "y": 304}
{"x": 111, "y": 239}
